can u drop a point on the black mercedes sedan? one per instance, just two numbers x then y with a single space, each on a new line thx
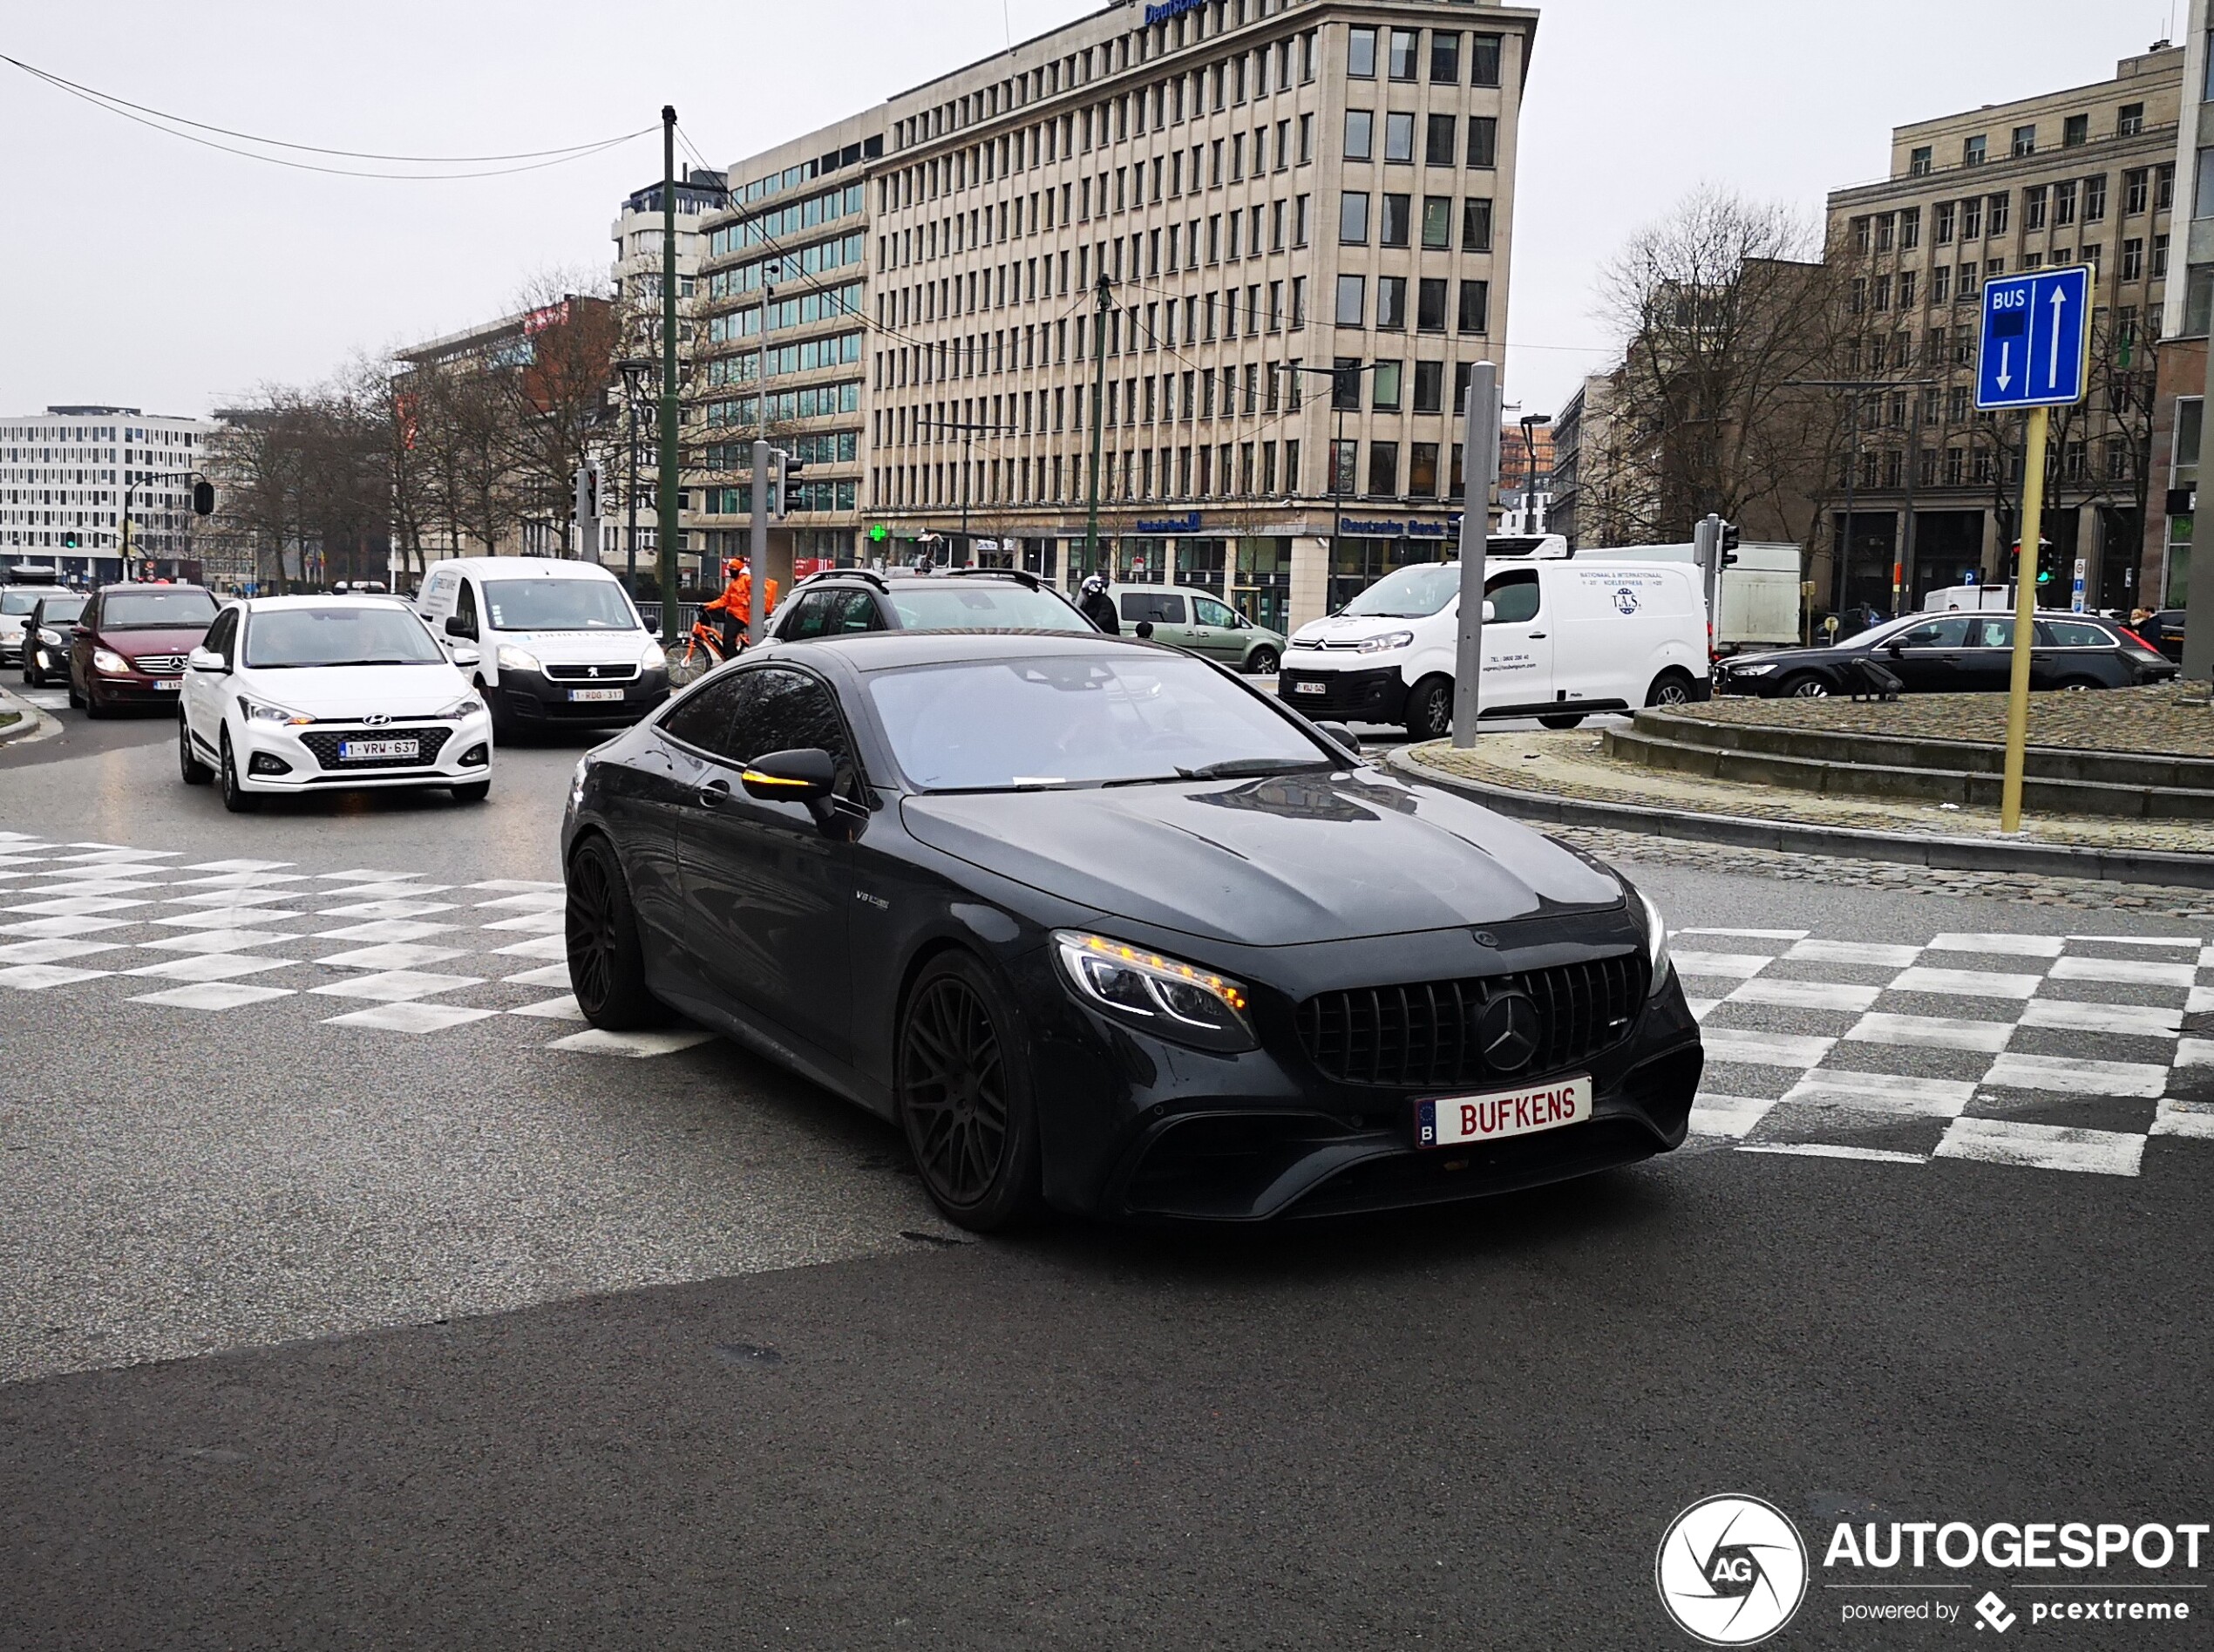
1107 931
1954 653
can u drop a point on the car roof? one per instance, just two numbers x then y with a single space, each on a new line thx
267 604
152 585
523 568
890 651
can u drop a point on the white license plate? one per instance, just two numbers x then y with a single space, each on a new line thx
595 694
1310 688
1454 1121
352 751
171 684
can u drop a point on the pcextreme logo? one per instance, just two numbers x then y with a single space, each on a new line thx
1731 1570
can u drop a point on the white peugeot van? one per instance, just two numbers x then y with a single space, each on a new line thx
556 643
1564 636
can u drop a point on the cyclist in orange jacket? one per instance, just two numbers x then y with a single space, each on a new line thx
736 604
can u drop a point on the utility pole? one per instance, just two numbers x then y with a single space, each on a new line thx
2198 585
668 532
1098 411
1903 569
1479 461
968 431
758 542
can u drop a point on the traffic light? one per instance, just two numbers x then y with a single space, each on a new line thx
203 498
1730 544
784 467
68 540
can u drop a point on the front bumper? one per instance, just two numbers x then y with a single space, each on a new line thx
533 697
1372 696
1136 1128
139 688
282 757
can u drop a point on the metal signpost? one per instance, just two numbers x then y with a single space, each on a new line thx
1479 468
2033 355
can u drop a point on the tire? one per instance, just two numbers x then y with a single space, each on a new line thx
95 707
963 1091
1561 720
472 792
75 698
503 720
606 963
1672 687
190 769
1429 712
1805 686
236 798
1262 662
2078 684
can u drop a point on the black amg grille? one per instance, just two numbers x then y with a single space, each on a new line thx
1425 1035
325 746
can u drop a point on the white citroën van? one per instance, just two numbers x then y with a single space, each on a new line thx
1566 636
557 642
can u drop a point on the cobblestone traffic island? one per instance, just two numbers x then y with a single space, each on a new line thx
2167 719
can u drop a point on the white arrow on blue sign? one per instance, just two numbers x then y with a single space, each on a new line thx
2036 344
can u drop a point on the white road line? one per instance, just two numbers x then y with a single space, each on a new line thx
1701 1008
2006 1141
545 923
392 955
385 909
1806 995
240 868
551 974
540 947
396 986
562 1009
54 951
1731 1116
1828 1150
1870 952
2138 1021
1933 1032
228 918
212 966
1966 983
1721 964
2195 1052
2200 1001
231 897
219 940
2024 945
75 906
2139 1080
214 995
384 929
2130 971
593 1041
1750 935
47 928
1763 1049
410 1018
2144 940
37 977
1882 1092
2192 1118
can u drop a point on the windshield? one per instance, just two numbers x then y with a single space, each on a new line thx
280 639
1089 721
558 605
1413 593
24 598
183 610
983 607
60 610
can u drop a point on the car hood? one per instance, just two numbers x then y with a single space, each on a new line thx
1281 861
357 690
167 640
1340 629
575 648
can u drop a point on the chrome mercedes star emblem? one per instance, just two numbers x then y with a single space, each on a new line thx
1507 1031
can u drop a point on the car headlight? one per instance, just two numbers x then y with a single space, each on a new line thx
1165 996
514 659
261 711
1656 943
468 706
51 639
1750 671
1388 642
653 659
107 660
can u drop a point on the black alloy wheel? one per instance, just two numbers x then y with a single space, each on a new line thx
964 1103
606 964
1262 662
1430 709
236 798
189 767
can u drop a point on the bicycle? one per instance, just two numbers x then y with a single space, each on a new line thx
702 653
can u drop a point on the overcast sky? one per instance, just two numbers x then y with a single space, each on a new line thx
140 269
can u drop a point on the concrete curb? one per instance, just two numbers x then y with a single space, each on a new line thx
1958 855
32 724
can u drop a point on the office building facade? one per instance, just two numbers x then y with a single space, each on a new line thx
67 474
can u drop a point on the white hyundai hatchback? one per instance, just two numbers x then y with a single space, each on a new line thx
293 694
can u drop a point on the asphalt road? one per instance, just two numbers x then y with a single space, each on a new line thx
317 1334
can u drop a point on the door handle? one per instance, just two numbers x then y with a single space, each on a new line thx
714 793
1537 637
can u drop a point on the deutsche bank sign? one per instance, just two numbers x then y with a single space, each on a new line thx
2036 339
1169 9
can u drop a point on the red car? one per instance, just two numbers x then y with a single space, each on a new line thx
130 645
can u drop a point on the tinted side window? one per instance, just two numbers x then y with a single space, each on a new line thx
2075 633
1990 634
465 605
782 710
811 615
224 632
703 718
853 611
1513 596
1159 607
1950 632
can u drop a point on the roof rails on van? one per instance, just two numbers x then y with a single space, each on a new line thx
1538 546
870 574
1021 576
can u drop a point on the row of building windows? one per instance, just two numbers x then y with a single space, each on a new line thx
2043 205
1944 347
801 216
840 252
776 407
1963 466
1395 224
828 303
2129 122
820 448
801 497
1403 55
1441 138
1471 305
1226 470
2140 261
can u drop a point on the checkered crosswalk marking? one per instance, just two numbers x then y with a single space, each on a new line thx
386 949
2043 1053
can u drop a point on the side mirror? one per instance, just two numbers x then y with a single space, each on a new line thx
806 774
465 657
458 625
1145 630
1491 611
203 659
1342 735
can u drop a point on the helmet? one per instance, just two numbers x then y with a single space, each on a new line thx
1096 582
734 566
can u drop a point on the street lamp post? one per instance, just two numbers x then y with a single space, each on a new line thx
1530 422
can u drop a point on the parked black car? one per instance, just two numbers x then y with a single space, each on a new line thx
1107 930
1954 653
46 637
845 600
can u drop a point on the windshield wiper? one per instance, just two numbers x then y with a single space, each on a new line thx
1233 767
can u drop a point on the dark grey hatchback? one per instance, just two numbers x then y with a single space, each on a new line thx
1106 930
1954 653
